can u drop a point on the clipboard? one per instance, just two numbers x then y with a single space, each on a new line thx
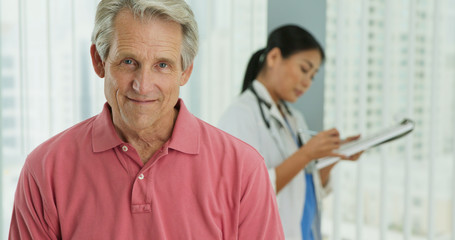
364 143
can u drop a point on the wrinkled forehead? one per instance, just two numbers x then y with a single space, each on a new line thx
132 36
126 15
126 24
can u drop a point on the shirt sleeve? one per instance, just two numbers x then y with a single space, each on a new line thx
322 191
29 218
272 177
327 189
259 217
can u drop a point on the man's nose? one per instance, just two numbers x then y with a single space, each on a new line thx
143 82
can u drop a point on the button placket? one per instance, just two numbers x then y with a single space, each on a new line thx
140 200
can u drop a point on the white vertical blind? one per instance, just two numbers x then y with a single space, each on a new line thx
22 73
48 83
1 128
362 114
230 31
387 84
338 114
409 110
387 60
434 118
453 190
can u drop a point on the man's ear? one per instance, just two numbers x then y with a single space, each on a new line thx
186 75
273 56
97 63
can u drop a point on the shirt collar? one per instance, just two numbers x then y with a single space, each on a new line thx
184 138
104 136
186 134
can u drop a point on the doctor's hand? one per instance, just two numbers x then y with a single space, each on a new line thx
355 156
323 144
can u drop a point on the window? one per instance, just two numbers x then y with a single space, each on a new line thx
420 86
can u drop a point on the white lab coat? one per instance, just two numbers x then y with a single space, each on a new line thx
243 119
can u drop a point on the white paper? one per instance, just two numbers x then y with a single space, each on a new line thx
364 143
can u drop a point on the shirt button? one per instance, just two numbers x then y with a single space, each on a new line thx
125 148
141 176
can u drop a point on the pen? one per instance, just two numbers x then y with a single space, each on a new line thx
309 132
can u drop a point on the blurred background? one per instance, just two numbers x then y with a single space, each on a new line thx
386 60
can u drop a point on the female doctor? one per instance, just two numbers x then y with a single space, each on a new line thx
277 74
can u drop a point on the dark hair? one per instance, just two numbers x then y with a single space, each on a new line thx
289 39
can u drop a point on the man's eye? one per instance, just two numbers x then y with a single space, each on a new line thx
162 65
128 61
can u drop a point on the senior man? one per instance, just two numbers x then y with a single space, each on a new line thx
144 168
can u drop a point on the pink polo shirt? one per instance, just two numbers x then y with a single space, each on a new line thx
86 183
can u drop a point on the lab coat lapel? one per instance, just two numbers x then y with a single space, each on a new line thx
273 116
273 112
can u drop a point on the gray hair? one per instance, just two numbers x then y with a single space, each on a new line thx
170 10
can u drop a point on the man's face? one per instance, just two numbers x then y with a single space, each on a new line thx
143 71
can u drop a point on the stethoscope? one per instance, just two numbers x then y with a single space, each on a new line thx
269 106
267 123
